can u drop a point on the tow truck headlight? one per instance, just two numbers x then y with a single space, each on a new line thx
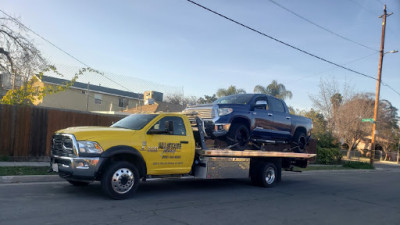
89 147
224 111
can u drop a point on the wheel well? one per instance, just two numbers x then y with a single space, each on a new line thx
300 129
241 121
134 159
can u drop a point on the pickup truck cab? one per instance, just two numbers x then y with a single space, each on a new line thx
256 118
142 146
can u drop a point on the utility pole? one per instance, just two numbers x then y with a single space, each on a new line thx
378 84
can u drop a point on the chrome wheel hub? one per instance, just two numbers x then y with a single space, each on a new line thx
270 175
122 180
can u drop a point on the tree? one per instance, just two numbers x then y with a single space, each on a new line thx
275 89
18 55
387 127
207 99
179 99
329 100
348 124
30 91
320 131
231 90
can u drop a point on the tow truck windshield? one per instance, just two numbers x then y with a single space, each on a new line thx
134 122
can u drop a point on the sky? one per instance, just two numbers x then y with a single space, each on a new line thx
176 44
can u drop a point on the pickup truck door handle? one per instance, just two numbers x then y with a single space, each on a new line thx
184 142
270 114
288 117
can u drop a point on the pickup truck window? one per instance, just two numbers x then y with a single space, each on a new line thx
179 126
276 105
135 121
235 99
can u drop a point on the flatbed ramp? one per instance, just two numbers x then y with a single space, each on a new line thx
252 154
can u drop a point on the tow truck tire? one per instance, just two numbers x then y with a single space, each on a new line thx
265 175
239 136
120 180
78 183
299 142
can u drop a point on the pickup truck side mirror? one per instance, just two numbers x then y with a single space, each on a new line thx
261 104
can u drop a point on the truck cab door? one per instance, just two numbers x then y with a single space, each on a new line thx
282 119
170 146
263 119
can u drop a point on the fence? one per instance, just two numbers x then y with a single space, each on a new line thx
25 131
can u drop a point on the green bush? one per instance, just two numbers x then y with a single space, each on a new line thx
357 165
329 155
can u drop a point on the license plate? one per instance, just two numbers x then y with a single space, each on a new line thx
54 166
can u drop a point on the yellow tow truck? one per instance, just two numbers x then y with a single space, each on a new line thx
142 146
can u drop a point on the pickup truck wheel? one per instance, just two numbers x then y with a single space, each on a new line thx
120 180
78 183
299 142
239 137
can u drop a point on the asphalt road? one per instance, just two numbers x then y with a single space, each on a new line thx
333 197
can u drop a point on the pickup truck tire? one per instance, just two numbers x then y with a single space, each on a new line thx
264 174
239 137
299 142
78 183
120 180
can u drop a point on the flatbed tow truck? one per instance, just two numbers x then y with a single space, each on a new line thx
143 146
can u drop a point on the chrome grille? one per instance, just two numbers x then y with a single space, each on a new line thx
204 113
62 145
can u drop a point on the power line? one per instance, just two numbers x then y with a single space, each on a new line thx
347 63
321 27
284 43
60 49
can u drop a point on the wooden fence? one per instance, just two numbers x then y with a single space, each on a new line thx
25 131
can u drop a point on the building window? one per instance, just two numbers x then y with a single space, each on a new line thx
97 98
123 102
83 92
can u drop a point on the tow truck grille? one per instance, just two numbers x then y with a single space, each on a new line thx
62 146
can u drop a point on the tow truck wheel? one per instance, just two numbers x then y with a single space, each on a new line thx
120 180
264 175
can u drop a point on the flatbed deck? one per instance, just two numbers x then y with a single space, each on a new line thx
251 154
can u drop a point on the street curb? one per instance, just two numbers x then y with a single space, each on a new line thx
29 179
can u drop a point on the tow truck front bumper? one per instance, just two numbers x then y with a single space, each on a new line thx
76 168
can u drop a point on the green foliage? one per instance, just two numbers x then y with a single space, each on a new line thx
326 140
24 170
357 165
329 155
31 91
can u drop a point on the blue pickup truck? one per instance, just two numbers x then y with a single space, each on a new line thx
255 119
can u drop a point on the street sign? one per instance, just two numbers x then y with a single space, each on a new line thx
371 120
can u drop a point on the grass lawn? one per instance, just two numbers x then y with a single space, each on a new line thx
24 170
